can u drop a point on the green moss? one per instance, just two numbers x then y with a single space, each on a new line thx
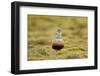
41 33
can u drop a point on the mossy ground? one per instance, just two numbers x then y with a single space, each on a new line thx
41 32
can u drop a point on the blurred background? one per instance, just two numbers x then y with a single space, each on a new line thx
41 33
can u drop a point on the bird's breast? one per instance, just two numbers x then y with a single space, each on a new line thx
58 44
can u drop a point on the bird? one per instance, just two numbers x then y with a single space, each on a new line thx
58 42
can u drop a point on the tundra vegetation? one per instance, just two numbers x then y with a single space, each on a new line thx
41 33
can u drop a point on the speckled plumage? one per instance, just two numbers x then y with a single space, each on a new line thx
58 43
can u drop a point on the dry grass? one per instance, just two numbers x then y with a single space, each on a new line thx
41 32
